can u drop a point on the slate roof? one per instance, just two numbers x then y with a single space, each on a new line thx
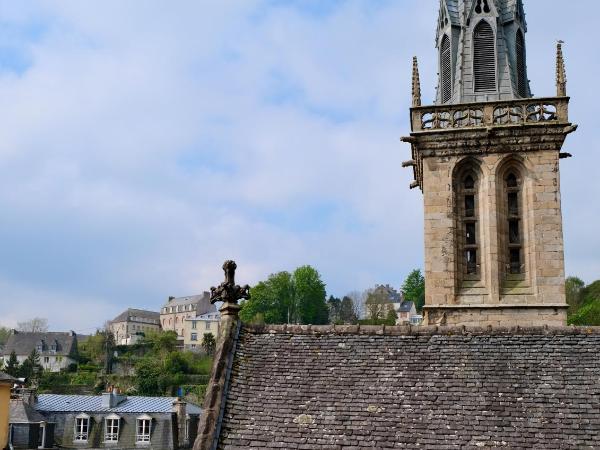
452 6
6 378
21 412
131 314
353 387
23 343
202 301
406 306
93 404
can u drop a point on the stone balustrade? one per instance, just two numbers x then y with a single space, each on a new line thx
490 114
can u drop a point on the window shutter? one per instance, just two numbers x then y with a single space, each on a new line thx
446 69
521 74
484 61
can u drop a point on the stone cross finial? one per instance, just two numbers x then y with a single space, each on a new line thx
561 74
228 292
416 83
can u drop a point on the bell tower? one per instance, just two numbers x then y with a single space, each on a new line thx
486 157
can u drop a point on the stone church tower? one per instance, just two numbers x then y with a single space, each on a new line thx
486 157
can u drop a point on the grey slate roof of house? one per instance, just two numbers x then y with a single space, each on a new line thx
93 403
6 378
23 343
306 387
21 412
406 306
202 301
142 313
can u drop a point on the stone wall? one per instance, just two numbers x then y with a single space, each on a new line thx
541 281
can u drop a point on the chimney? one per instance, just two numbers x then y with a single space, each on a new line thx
180 408
171 298
112 398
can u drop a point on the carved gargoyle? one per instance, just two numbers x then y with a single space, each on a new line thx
228 291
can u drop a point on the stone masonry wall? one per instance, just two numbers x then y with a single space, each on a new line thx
543 281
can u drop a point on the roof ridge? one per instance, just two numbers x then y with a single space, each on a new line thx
422 330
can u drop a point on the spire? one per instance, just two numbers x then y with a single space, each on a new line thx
561 74
416 83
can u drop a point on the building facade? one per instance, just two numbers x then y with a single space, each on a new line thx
177 309
57 351
486 157
6 383
197 327
116 421
129 326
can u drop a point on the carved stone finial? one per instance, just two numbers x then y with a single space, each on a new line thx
416 83
561 74
228 292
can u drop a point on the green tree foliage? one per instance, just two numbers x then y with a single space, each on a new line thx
334 304
573 287
209 343
391 317
31 366
588 313
288 298
413 289
4 335
12 366
348 311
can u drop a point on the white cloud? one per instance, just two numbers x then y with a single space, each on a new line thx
146 144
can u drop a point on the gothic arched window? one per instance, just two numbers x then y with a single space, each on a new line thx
514 225
468 224
521 68
446 69
484 58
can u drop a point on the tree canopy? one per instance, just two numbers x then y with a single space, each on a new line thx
35 325
587 311
413 289
297 297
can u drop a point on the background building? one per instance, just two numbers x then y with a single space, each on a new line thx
56 350
130 325
177 309
197 327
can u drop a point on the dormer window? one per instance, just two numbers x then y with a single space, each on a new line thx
40 347
143 429
111 429
82 428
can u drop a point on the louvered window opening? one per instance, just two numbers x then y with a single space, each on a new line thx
521 75
484 61
446 70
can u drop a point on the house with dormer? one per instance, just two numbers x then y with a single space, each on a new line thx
57 350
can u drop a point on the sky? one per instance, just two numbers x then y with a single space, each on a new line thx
142 143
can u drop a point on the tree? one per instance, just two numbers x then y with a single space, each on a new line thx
391 317
12 366
574 287
35 325
309 296
359 300
208 343
378 304
288 298
413 289
31 366
588 313
347 312
4 335
334 304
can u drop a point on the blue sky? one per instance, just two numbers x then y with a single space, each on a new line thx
143 143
